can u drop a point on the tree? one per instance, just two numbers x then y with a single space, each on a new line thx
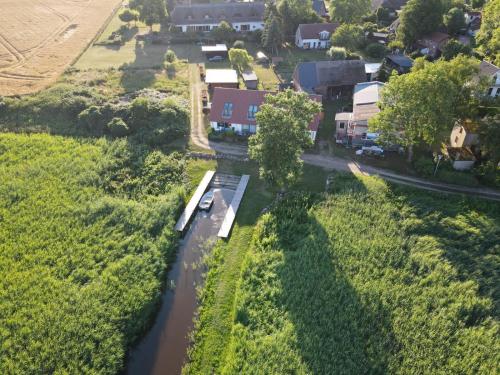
223 32
337 53
454 21
291 13
153 12
92 119
419 17
240 59
128 15
272 37
454 48
376 50
423 105
282 135
351 37
117 127
349 11
240 44
489 134
396 46
488 38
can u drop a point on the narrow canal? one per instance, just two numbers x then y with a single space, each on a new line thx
164 349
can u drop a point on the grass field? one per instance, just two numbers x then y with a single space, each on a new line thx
371 277
38 40
81 269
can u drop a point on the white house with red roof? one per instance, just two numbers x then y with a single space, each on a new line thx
236 109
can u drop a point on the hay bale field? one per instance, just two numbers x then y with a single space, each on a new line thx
39 39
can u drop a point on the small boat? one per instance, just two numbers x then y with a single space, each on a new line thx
206 201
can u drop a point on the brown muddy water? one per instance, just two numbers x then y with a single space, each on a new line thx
164 349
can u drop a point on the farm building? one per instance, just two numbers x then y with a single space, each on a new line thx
251 80
331 79
247 16
221 78
352 127
236 109
213 51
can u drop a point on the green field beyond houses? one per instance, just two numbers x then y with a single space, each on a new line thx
370 278
83 253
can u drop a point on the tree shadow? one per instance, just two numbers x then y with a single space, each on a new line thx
467 230
338 330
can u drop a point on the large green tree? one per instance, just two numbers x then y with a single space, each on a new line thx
272 37
224 32
153 12
419 17
291 13
349 10
351 37
282 135
240 59
488 38
423 105
454 20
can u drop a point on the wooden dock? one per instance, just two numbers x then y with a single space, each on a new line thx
227 224
193 202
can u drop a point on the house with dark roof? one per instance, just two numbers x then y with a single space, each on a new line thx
319 8
314 35
243 17
236 109
331 79
352 127
491 73
400 63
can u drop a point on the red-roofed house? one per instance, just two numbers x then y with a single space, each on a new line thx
314 35
236 109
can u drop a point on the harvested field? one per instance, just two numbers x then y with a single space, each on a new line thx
40 38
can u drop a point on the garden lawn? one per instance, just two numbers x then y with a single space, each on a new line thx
81 271
371 278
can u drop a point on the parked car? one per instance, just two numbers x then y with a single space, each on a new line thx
371 150
206 201
216 59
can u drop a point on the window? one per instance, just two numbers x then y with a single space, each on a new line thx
456 139
245 27
490 90
252 110
461 130
228 110
342 125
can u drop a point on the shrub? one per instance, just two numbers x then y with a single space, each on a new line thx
239 44
92 119
337 53
424 166
376 50
170 56
117 127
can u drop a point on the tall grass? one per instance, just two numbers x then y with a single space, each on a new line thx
369 279
80 269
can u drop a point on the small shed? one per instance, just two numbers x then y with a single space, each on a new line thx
261 58
372 70
251 80
213 51
221 78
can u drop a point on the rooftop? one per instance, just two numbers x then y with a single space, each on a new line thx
221 76
249 76
312 30
216 48
401 60
215 13
366 96
487 68
329 73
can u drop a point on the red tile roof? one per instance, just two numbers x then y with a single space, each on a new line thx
312 30
241 100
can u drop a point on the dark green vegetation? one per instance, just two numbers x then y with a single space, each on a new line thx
85 103
86 230
369 278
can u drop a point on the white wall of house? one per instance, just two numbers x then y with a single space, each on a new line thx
311 43
463 165
238 26
245 129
